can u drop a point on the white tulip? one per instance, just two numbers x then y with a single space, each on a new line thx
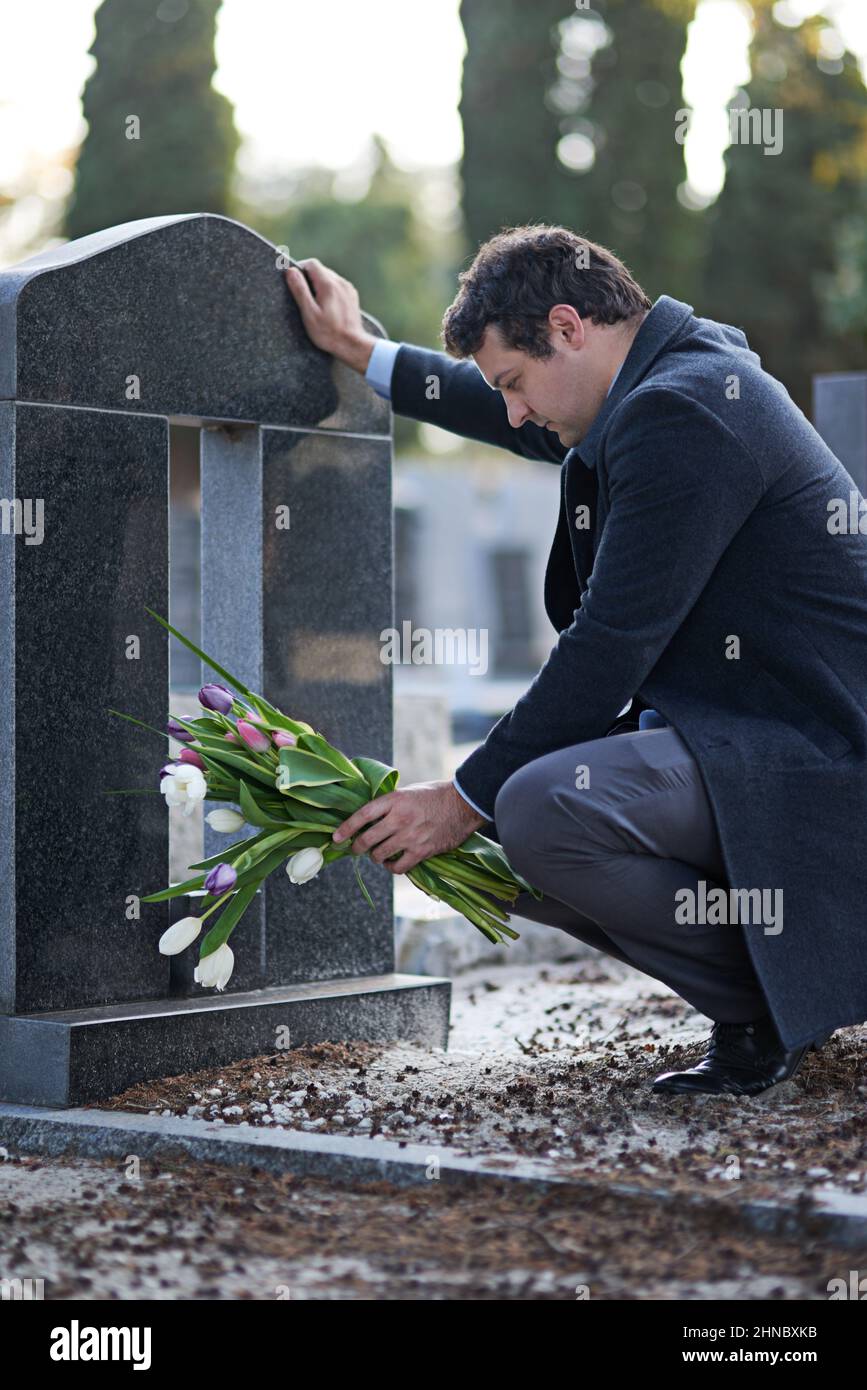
179 935
305 865
225 820
184 785
213 972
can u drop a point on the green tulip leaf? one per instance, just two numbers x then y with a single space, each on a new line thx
254 813
330 797
225 855
191 646
362 885
299 768
380 778
213 760
228 920
315 743
192 884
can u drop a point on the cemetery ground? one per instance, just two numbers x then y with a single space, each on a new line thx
548 1064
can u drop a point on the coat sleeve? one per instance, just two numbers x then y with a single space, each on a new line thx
680 486
440 390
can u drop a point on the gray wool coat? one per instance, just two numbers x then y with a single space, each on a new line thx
711 584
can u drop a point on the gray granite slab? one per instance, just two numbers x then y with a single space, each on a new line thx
196 308
73 602
67 1057
103 342
840 416
232 631
328 593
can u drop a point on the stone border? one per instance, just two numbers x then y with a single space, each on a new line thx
73 1057
840 1218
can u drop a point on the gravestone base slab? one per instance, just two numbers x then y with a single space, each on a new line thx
74 1056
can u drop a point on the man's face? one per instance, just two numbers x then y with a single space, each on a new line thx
560 392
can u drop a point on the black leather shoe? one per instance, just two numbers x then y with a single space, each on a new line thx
742 1059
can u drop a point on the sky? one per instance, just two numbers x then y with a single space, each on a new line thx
310 85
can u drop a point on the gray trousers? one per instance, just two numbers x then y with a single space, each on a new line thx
611 853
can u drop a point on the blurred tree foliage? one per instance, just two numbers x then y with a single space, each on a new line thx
787 233
570 117
509 169
154 61
629 196
401 266
844 288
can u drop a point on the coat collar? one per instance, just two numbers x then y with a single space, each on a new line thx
663 323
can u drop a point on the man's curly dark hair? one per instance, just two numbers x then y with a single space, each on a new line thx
518 276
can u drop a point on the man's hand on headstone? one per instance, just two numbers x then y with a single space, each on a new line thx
331 314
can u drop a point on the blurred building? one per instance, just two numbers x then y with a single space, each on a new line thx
472 536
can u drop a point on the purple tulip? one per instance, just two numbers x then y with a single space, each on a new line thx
216 697
221 878
189 755
179 732
253 737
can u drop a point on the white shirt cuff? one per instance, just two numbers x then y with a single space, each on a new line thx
381 366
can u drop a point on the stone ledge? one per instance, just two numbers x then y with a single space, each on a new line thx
834 1215
77 1055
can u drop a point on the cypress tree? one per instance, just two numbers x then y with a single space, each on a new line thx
609 78
629 197
773 250
160 139
509 168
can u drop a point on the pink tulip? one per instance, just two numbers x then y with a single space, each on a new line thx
284 740
189 755
230 738
254 738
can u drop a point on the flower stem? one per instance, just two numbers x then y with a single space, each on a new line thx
215 905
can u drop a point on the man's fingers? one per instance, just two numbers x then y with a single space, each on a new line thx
407 861
371 810
319 275
301 291
393 845
375 835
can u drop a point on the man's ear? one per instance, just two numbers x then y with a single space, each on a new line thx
567 325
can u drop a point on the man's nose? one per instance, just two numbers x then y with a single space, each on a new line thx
518 413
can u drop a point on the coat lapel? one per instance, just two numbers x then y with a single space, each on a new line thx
663 323
580 480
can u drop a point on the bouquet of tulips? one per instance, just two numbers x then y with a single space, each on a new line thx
280 776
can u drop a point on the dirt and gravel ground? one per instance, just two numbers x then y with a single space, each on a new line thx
553 1062
190 1231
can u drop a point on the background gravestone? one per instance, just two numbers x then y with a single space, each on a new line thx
840 416
104 343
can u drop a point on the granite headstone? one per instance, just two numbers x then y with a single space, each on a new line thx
105 343
840 416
